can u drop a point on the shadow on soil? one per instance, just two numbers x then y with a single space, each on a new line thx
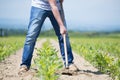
78 72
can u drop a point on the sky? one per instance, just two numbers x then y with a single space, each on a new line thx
80 14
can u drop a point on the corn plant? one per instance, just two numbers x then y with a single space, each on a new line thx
47 62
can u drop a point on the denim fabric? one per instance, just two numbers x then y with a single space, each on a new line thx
36 20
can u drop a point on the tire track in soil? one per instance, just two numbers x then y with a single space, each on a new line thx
87 71
10 66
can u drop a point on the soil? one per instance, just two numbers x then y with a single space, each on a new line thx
10 66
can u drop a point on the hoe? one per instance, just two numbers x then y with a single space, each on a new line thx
66 71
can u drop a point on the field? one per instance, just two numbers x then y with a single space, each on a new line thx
107 45
103 51
8 45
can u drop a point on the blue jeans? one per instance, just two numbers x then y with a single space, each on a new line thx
36 21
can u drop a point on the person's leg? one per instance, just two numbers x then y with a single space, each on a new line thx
60 38
36 20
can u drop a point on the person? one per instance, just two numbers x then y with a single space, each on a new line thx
41 9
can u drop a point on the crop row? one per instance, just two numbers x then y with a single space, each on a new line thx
47 62
9 45
103 53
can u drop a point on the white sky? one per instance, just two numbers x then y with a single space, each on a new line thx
78 12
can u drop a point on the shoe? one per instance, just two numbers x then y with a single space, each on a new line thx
23 69
73 67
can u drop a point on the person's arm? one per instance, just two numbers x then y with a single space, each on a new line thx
57 16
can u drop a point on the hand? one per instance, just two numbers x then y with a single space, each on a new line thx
63 30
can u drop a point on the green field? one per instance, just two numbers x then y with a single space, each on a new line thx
103 53
108 45
8 45
101 50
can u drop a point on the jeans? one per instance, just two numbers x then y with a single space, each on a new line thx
36 21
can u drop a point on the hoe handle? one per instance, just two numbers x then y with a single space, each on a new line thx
65 50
